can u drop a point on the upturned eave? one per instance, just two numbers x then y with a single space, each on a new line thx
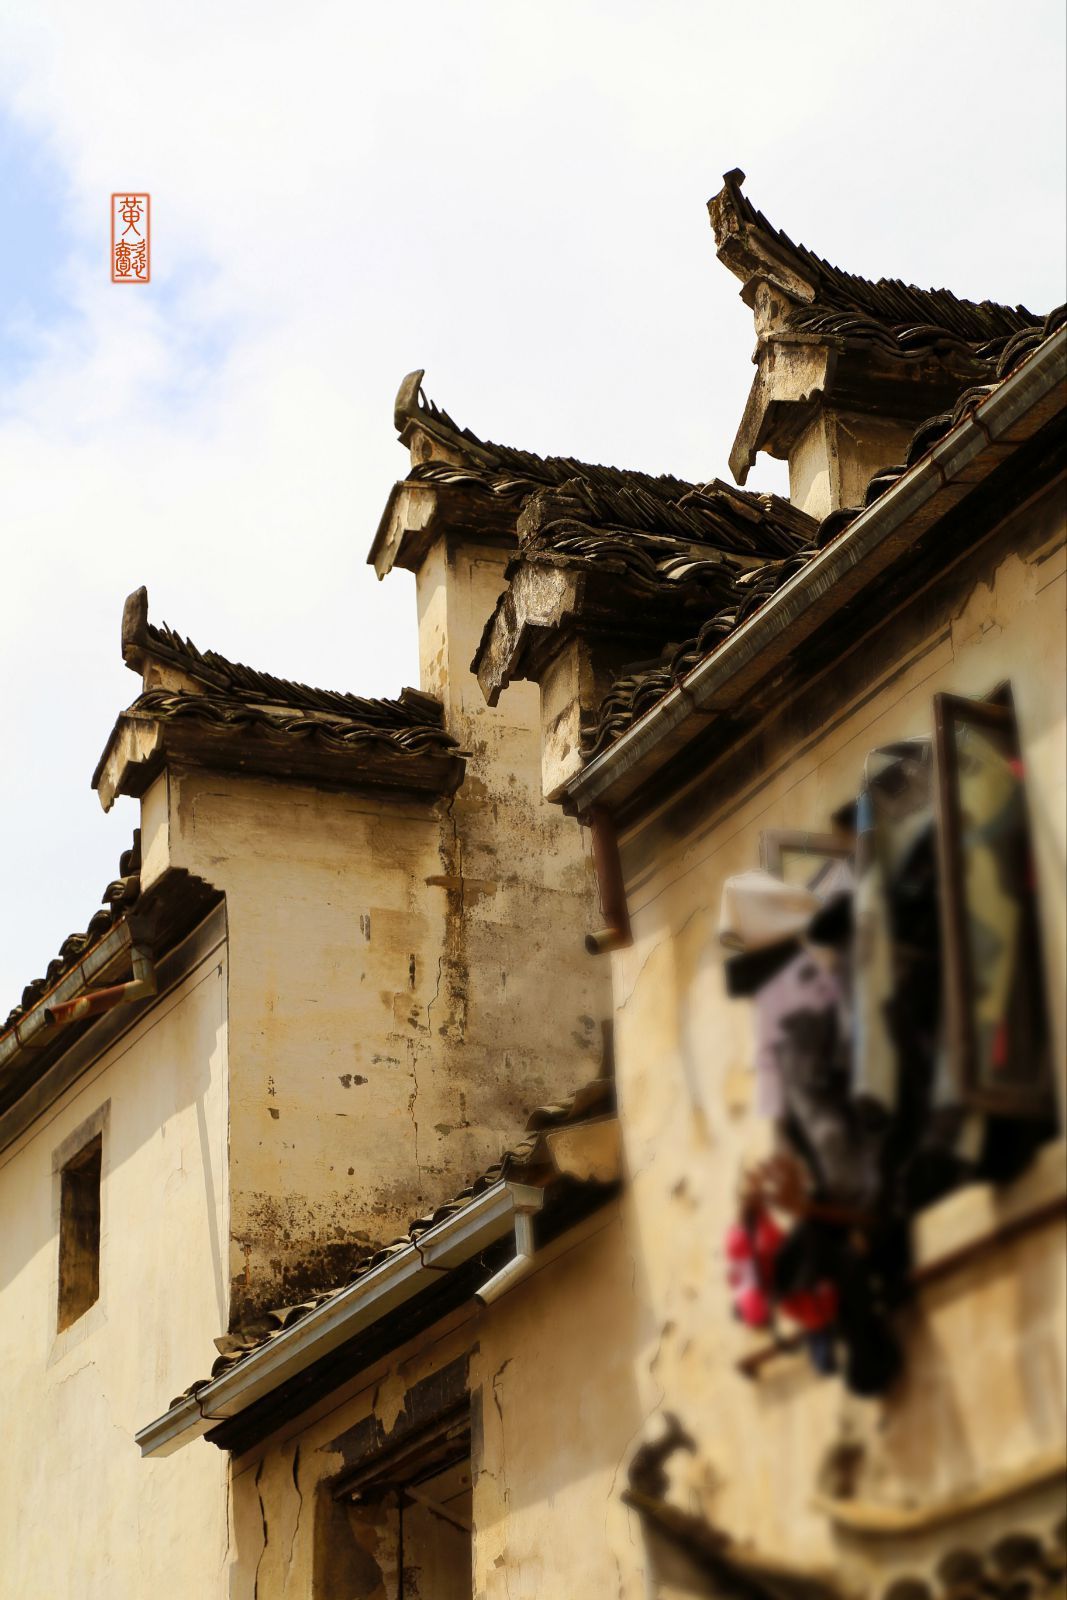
141 745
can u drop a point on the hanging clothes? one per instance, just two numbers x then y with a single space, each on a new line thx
762 918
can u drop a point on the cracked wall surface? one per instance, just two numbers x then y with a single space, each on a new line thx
554 1415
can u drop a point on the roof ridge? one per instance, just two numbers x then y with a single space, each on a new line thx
890 301
414 409
219 675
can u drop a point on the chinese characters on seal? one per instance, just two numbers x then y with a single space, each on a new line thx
131 248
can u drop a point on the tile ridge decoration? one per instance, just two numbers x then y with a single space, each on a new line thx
639 686
486 464
827 301
142 640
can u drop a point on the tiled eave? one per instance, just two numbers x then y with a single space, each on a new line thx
566 1166
296 749
39 1058
419 510
811 602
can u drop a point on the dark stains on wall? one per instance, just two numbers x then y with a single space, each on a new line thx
426 1403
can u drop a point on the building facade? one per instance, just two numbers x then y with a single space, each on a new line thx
737 1169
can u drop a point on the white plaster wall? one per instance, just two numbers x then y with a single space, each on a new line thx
561 1414
82 1516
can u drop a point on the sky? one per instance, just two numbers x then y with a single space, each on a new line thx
511 195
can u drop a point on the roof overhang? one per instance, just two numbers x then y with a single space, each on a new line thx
487 1219
37 1049
142 744
799 374
811 602
539 601
419 511
406 529
551 599
34 1030
581 1154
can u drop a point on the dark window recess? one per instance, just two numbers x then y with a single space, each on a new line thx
409 1509
79 1234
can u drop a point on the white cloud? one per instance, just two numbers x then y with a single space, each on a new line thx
510 194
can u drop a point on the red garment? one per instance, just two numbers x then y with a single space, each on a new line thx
751 1248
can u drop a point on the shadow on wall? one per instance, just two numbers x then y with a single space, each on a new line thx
159 1078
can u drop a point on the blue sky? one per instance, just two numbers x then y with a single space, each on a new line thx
40 241
512 196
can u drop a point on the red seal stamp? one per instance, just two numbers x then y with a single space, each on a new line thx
131 234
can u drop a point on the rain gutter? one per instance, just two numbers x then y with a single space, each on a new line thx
36 1027
1013 413
484 1221
142 986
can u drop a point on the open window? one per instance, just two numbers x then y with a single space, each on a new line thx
902 1042
996 1021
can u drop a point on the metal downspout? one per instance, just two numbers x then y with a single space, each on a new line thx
617 934
93 1004
527 1201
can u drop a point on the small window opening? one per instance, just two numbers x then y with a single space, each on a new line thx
79 1233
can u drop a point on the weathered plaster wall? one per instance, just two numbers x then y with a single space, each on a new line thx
561 1412
554 1414
519 994
837 454
82 1517
984 1391
407 975
339 1102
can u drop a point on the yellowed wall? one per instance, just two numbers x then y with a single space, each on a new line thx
407 975
334 1095
391 963
985 1387
552 1383
82 1517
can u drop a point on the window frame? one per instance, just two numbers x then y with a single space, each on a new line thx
65 1334
1016 1099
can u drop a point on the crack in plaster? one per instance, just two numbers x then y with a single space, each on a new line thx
266 1536
639 974
455 860
228 1514
299 1511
